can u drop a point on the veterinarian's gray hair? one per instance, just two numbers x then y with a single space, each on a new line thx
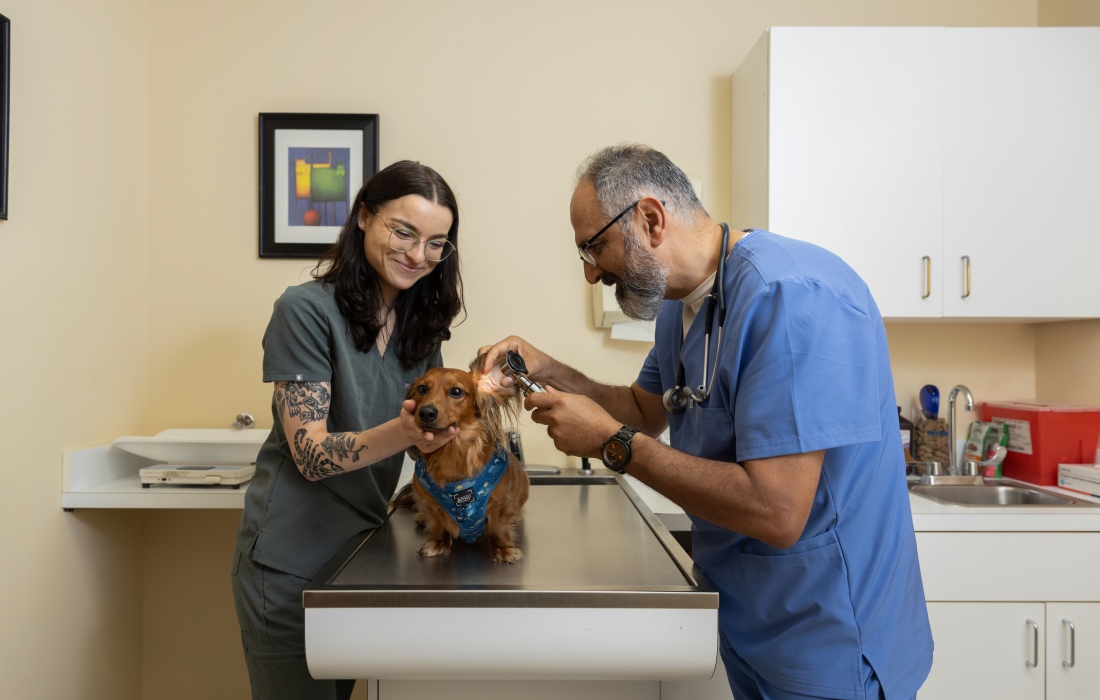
629 171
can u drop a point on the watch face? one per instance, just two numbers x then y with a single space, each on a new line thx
616 452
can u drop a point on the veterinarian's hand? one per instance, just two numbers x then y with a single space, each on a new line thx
422 440
537 362
576 424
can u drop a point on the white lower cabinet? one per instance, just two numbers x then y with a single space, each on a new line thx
527 690
1073 650
1014 651
1015 615
983 650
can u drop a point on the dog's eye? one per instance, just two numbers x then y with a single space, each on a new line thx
422 389
456 392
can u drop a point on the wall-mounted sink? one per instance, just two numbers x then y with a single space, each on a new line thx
995 495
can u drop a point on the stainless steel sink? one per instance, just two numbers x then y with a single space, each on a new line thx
995 495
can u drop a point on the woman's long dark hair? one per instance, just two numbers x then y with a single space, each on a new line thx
423 312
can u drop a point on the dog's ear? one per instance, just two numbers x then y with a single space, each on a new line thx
489 383
496 403
409 394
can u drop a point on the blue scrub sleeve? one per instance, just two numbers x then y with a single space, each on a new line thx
297 341
649 377
808 376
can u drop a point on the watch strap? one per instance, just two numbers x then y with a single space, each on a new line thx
623 436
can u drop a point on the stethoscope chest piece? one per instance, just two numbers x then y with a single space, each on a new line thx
676 399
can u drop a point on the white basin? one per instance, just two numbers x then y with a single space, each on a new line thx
196 445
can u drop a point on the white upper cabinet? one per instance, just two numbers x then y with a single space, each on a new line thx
904 149
1022 172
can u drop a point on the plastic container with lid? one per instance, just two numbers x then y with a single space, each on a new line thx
1043 435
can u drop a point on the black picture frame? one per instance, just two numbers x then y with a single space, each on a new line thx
311 166
5 95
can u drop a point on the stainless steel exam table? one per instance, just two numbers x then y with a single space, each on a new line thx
603 592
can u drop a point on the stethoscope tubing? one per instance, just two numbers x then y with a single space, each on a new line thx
716 298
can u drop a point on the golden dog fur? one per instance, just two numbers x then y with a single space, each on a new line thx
480 410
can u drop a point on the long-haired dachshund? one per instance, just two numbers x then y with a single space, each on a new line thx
472 486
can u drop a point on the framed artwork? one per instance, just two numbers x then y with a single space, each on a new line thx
311 168
5 94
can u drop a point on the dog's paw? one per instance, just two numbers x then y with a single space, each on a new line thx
508 555
433 548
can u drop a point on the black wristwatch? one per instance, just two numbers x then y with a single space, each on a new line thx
616 451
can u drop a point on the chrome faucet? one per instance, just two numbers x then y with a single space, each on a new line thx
952 450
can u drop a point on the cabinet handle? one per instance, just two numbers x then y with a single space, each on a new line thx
1034 662
927 277
966 271
1072 645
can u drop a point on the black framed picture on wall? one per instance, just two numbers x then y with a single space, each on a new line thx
5 93
311 168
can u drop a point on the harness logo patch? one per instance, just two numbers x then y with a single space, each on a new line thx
463 498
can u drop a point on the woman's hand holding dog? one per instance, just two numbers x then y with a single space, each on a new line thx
421 439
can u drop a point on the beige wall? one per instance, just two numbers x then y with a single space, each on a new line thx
1069 13
151 300
72 343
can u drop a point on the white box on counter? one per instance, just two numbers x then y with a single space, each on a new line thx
1083 478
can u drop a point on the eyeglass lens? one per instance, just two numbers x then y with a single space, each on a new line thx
403 240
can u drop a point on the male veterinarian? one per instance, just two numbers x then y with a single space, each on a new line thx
787 455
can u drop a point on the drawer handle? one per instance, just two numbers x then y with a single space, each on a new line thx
1034 662
927 261
1072 645
966 271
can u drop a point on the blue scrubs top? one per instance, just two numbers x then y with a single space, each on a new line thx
804 366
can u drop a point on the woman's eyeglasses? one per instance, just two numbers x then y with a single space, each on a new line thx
403 240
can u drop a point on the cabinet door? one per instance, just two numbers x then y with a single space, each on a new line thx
528 690
1021 172
855 161
1073 651
983 651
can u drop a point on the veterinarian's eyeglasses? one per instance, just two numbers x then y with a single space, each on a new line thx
582 249
403 240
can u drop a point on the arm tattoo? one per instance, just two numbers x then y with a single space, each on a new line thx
315 464
305 400
342 446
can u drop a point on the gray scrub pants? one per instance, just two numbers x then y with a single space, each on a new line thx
272 620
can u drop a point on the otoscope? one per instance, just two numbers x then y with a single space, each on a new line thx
513 366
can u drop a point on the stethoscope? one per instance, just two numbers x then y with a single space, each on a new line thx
677 398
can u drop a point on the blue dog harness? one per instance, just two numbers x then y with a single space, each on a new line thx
465 500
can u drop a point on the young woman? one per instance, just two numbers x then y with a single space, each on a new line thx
341 350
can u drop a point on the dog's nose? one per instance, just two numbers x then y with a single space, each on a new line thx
427 414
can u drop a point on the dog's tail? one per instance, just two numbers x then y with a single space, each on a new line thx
403 498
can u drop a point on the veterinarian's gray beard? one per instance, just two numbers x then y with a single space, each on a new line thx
641 290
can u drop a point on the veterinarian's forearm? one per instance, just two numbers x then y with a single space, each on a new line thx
619 401
767 499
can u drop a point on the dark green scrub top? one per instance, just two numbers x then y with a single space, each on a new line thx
292 524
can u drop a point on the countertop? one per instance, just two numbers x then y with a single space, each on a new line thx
929 516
